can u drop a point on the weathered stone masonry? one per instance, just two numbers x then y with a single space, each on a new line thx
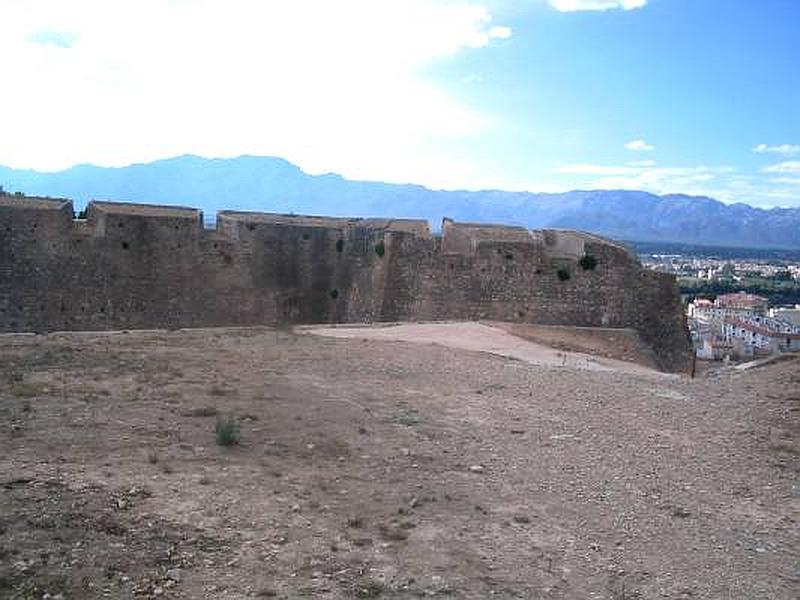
140 266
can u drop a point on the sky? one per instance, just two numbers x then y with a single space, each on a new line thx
668 96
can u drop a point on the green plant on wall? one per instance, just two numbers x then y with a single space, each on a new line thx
588 262
563 274
380 249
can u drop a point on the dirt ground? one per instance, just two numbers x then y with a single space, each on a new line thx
577 347
386 469
616 344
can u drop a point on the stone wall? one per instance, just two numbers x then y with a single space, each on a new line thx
141 266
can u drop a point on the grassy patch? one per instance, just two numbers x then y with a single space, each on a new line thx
227 431
406 416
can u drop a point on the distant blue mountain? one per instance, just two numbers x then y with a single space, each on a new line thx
275 185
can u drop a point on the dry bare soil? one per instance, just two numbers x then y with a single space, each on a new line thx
386 469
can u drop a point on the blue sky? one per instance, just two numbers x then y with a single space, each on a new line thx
692 96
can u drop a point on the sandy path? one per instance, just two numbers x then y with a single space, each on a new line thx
480 338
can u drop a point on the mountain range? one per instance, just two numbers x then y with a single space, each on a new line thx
271 184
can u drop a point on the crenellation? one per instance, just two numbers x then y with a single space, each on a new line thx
142 266
464 238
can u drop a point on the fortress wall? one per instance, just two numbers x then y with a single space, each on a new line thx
519 281
136 266
32 237
309 272
139 267
463 237
666 329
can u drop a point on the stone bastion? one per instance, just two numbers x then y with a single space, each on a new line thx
129 266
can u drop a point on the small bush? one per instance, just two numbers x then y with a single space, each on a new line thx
380 249
339 245
334 293
588 262
407 417
563 274
355 522
227 431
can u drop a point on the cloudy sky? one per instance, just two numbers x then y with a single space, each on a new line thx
694 96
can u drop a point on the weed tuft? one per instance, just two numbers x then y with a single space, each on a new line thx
227 431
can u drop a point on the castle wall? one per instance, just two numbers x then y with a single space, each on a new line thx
138 266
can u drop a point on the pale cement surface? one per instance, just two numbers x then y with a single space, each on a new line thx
479 337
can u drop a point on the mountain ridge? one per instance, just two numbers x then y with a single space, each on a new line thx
273 184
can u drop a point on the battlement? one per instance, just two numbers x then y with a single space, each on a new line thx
141 266
28 203
456 237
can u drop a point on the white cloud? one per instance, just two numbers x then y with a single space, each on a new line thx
579 5
332 86
786 180
701 180
641 163
785 149
647 172
500 32
722 182
57 39
791 167
639 146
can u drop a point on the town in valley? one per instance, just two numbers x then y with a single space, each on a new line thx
741 304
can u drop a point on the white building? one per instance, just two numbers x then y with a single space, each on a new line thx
790 315
715 349
761 335
711 315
